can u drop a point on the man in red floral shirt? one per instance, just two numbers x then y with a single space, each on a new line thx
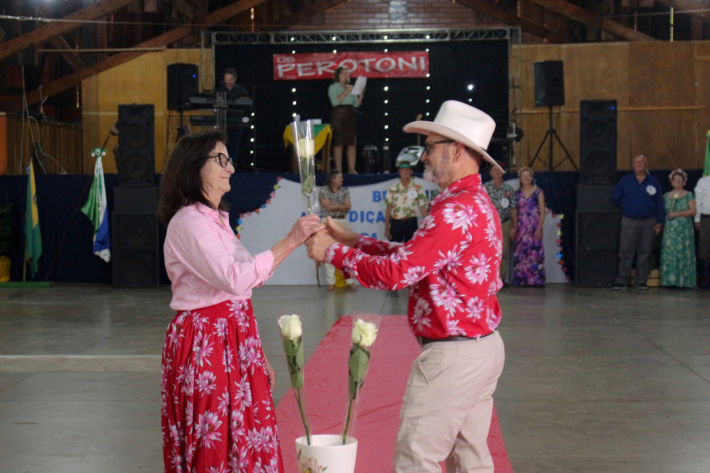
452 268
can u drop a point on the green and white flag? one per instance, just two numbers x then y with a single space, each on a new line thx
96 209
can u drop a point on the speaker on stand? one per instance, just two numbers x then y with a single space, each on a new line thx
550 92
598 219
136 145
597 141
183 81
134 223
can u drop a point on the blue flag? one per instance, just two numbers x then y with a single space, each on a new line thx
96 209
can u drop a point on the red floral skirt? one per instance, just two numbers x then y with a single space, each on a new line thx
216 406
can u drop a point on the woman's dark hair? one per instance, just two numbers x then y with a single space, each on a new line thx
336 74
331 175
181 183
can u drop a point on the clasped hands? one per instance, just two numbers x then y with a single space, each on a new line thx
319 235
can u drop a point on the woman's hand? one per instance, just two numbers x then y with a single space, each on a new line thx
270 373
512 232
538 233
388 234
304 228
671 215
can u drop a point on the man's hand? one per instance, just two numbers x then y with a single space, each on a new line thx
697 226
317 246
658 228
340 233
388 234
512 233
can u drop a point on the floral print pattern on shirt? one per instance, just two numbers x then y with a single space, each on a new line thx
503 198
451 265
217 410
406 201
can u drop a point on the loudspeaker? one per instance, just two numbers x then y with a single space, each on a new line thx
135 252
595 198
183 81
597 141
136 145
597 248
135 199
549 83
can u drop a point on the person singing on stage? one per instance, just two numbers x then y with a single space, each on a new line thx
216 383
343 118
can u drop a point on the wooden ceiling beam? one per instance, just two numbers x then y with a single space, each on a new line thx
14 102
588 18
71 58
307 13
56 28
508 18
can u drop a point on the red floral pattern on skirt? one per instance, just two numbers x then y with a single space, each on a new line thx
216 406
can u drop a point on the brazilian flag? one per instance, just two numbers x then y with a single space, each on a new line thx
33 237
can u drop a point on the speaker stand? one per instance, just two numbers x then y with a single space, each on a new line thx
182 130
552 136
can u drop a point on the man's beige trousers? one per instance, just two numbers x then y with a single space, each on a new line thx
447 409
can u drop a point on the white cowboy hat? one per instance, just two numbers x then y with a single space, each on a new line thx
462 123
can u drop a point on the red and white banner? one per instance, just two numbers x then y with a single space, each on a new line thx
369 64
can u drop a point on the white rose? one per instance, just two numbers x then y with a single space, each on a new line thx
306 148
504 202
290 326
651 190
364 333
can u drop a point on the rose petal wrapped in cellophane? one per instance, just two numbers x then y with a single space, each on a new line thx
363 335
292 340
305 153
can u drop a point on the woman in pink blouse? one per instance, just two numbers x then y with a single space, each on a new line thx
216 405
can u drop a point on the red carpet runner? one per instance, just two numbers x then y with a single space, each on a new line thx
378 418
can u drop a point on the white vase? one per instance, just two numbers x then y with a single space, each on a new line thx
326 451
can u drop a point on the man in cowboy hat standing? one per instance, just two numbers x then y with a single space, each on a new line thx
452 267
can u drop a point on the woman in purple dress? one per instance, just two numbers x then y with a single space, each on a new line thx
526 232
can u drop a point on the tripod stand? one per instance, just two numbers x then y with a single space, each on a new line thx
552 135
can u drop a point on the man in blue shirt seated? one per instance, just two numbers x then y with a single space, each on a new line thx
641 200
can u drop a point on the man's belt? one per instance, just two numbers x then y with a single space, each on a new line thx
457 338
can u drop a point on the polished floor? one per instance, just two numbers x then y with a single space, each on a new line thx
596 381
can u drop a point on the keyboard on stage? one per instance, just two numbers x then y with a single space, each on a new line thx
210 100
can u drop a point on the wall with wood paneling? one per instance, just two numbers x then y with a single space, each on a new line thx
663 94
140 81
61 143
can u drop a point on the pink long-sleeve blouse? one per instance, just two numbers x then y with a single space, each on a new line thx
206 262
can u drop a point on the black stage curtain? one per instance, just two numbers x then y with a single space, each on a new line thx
60 198
453 67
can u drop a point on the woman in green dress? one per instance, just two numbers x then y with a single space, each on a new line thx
678 251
